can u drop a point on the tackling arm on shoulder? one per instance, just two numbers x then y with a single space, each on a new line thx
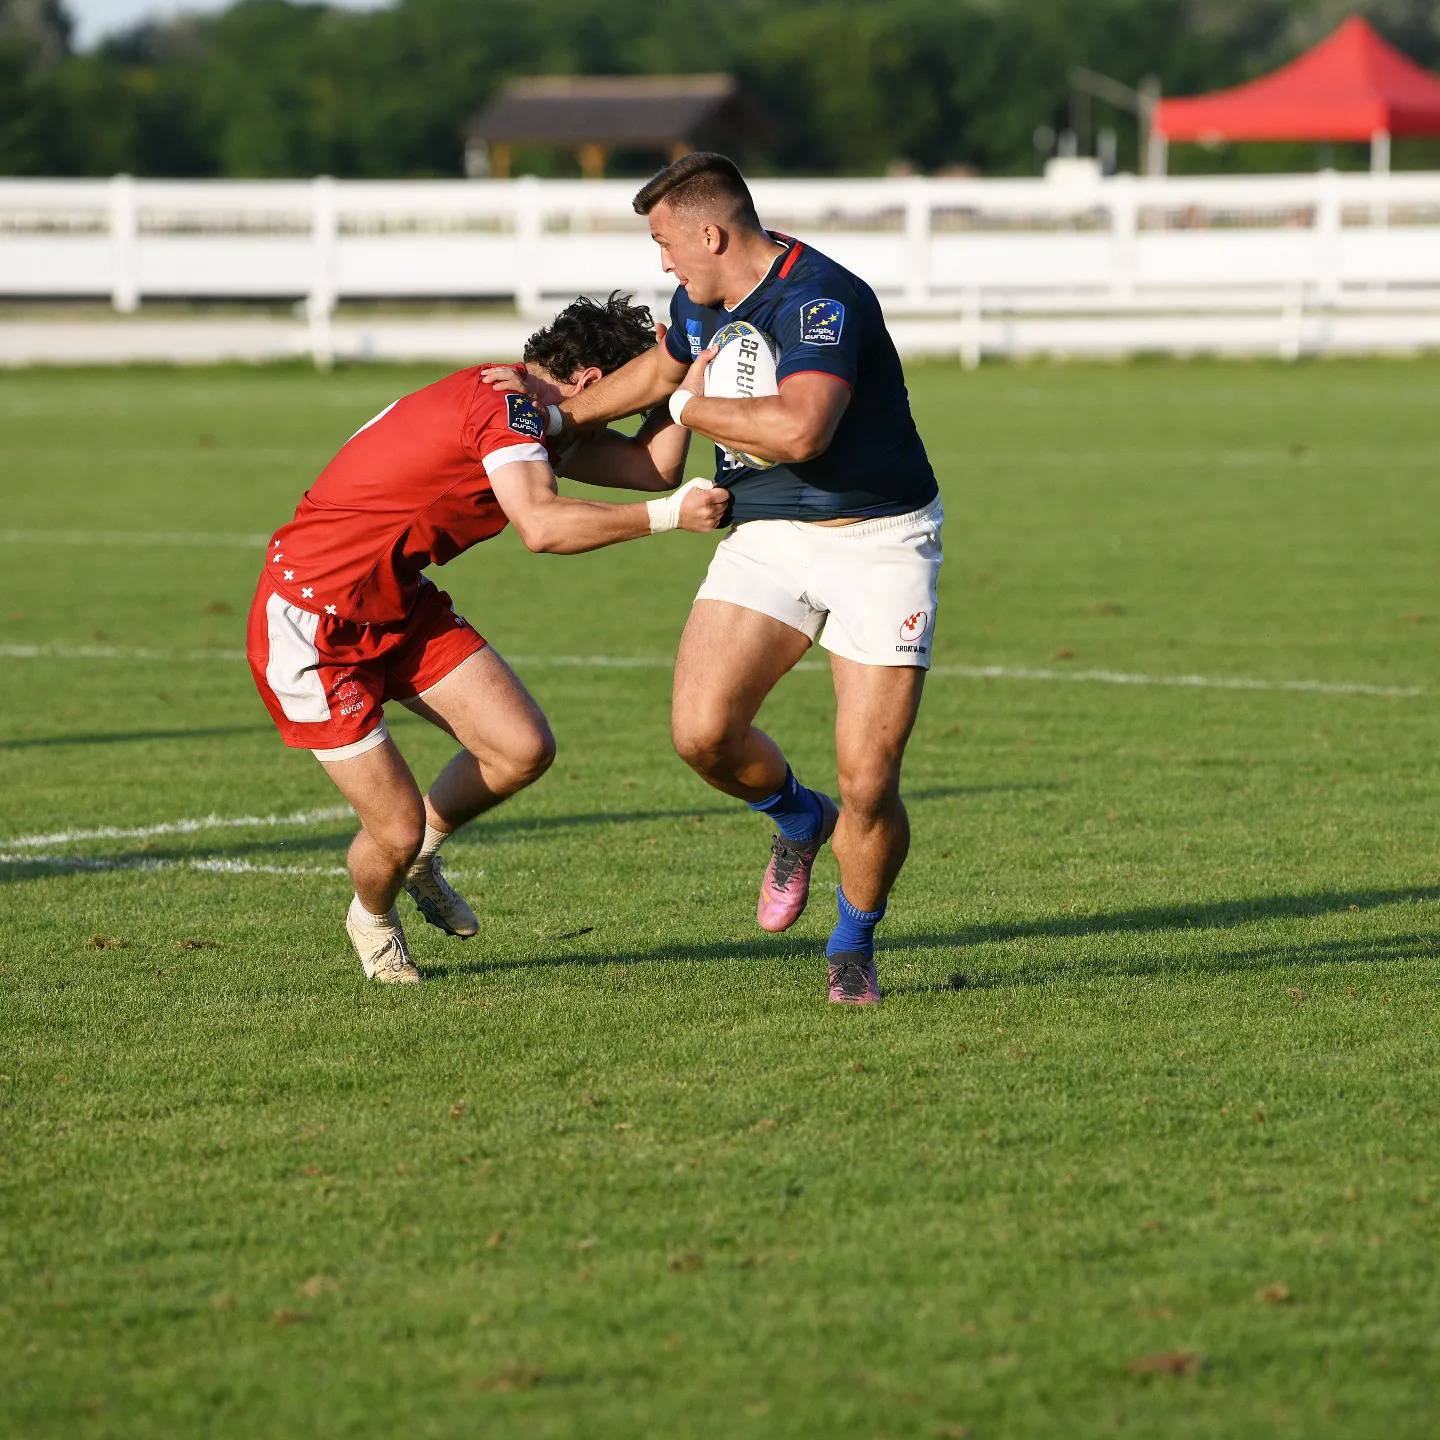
637 386
632 389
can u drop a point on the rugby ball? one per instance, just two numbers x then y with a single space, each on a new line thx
743 369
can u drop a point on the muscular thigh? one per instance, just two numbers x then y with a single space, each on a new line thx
875 710
381 790
729 660
484 705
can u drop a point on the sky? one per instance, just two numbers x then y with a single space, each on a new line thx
94 19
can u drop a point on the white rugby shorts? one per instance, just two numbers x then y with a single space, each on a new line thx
865 591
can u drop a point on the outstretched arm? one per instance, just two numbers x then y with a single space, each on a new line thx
556 524
641 383
635 387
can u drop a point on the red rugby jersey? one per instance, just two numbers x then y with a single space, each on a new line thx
408 490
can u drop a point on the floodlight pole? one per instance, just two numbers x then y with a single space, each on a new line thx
1141 101
1156 143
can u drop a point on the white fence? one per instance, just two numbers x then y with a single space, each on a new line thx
1287 264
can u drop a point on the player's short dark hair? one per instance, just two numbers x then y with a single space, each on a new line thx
701 180
591 332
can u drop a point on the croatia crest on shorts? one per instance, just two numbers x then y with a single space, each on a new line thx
523 416
821 322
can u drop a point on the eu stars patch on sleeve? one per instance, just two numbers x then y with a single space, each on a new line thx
821 322
523 416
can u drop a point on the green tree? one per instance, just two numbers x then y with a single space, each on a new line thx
275 88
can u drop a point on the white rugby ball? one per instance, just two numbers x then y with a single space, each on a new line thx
743 370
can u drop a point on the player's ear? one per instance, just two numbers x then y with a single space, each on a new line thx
714 239
588 376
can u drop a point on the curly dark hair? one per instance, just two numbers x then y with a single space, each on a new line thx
587 332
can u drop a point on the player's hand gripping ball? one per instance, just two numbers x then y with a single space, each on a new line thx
743 369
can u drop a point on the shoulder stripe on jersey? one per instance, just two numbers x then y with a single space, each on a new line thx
375 419
790 259
512 454
828 374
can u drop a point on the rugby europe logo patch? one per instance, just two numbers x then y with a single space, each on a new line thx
523 416
821 322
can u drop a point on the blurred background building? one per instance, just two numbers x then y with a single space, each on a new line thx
642 120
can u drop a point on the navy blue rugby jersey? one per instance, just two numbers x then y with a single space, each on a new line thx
821 318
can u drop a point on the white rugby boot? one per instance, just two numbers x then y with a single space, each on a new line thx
438 900
384 955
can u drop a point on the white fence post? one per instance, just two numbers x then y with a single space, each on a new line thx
124 247
1328 225
918 220
529 232
1124 235
972 341
324 243
1292 324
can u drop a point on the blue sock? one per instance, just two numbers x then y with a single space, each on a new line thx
794 809
855 929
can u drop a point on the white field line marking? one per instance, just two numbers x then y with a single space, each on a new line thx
111 652
1190 682
1016 672
664 662
175 827
208 863
129 538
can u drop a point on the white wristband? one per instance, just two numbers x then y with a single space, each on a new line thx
665 512
678 401
554 420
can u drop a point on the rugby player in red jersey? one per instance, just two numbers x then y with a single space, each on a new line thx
344 619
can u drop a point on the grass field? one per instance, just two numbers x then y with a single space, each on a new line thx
1143 1142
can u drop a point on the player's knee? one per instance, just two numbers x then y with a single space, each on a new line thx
538 755
399 837
869 791
704 743
527 759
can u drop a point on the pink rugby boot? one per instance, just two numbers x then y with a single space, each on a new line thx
786 885
853 980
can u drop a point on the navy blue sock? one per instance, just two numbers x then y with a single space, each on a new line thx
855 929
794 809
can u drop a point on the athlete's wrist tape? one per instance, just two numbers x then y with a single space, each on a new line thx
554 420
665 512
678 401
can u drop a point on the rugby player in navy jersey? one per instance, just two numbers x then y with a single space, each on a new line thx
839 541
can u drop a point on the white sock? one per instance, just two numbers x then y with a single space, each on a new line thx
434 839
361 913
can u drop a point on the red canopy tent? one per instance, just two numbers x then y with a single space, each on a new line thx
1353 85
